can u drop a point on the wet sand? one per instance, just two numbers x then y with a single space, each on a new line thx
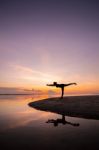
75 106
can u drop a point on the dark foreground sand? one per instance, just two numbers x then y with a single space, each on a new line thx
75 106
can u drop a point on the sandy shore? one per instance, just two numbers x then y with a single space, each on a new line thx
75 106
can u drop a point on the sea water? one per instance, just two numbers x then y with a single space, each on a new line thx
23 127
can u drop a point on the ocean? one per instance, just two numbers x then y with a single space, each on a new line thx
25 128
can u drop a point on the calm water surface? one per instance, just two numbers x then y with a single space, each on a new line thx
22 127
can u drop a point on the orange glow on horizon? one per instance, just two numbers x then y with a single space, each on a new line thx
81 88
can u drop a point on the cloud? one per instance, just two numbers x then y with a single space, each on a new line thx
30 71
13 90
31 75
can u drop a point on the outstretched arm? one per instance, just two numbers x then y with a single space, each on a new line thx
50 84
70 84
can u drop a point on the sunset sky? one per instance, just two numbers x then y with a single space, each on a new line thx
42 41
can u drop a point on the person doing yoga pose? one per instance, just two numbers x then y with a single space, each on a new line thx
61 86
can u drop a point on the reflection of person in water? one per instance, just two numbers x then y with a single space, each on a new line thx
61 121
61 86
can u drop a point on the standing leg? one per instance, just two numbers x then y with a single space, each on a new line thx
62 92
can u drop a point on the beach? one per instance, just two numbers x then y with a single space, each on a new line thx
25 127
75 106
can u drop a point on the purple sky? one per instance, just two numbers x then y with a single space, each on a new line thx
52 40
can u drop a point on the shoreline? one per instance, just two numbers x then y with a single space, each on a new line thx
55 95
74 106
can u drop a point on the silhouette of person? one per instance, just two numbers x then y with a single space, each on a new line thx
61 121
61 86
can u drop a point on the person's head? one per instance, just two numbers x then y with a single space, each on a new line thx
55 83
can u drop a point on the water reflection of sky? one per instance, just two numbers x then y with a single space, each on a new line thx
28 126
14 111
